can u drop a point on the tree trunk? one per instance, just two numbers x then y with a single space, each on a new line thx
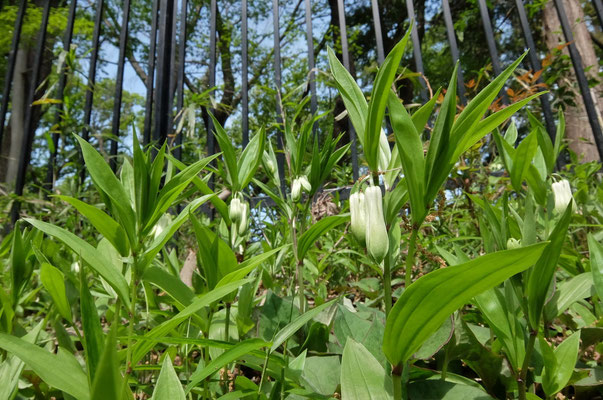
577 129
16 131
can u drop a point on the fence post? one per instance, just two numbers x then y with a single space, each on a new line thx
416 49
280 157
163 101
312 75
180 85
244 82
454 49
150 75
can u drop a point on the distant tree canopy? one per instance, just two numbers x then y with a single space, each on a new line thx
474 56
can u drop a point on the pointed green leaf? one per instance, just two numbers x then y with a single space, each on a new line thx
523 158
54 282
228 152
542 274
61 370
108 381
251 158
379 97
362 377
97 260
426 303
168 385
307 239
234 353
556 375
596 263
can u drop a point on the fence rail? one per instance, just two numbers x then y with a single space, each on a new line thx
167 46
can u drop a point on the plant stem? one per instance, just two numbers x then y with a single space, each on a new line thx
521 382
132 321
397 379
227 339
298 268
410 258
387 285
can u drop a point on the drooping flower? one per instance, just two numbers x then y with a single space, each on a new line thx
243 223
303 179
377 242
296 190
358 216
235 209
562 193
513 243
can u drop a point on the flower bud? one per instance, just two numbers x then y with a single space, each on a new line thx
303 179
358 216
562 193
242 228
234 209
377 242
513 243
385 152
296 190
269 164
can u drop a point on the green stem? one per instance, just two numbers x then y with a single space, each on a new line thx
521 382
298 267
410 258
227 339
132 321
397 379
387 285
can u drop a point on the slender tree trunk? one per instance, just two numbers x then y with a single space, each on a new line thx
17 118
578 131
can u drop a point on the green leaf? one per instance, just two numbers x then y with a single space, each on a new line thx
251 158
362 377
144 345
108 381
379 97
437 160
421 116
544 142
541 275
107 182
90 255
558 373
477 107
103 223
559 134
522 160
307 239
568 292
54 282
352 96
505 324
170 284
61 370
230 355
247 266
174 188
410 148
426 303
437 389
596 263
93 332
160 241
168 385
292 327
228 151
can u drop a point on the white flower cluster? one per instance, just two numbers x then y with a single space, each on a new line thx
368 223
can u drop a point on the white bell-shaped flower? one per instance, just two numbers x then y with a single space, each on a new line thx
513 243
385 152
234 209
377 242
358 216
296 190
562 193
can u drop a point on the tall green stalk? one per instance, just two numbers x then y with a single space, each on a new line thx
410 258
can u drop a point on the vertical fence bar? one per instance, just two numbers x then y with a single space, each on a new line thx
10 69
589 104
454 49
119 82
211 143
345 56
378 34
164 53
30 130
60 96
312 75
148 117
180 85
280 157
244 78
483 8
535 64
92 70
416 48
173 69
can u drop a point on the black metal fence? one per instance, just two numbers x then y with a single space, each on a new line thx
166 41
